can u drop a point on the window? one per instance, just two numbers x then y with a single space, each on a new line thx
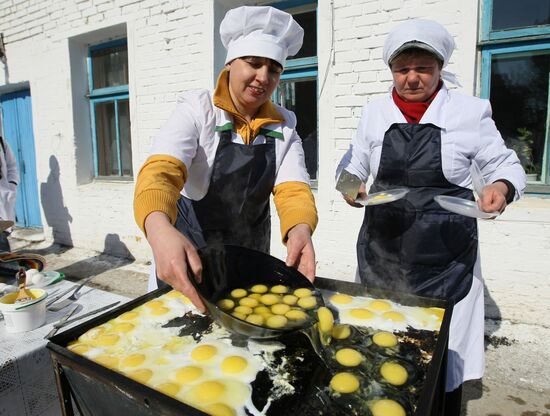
515 45
297 89
109 106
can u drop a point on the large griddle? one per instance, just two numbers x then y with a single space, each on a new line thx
97 390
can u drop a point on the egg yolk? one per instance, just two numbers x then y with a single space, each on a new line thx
245 310
255 319
256 296
307 302
394 373
128 316
290 299
269 299
344 383
238 293
226 304
204 352
349 357
79 348
219 409
437 312
326 319
153 304
208 391
386 407
341 299
106 340
384 339
234 364
302 292
259 289
276 321
280 309
379 305
262 310
188 374
251 303
296 315
170 389
107 360
143 375
361 313
133 360
161 310
174 294
123 327
279 289
341 331
174 345
393 316
240 316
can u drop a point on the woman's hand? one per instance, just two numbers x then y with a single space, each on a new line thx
360 195
494 197
300 252
173 253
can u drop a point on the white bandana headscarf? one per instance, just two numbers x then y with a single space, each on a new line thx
423 34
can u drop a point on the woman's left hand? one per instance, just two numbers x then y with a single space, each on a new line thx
494 198
300 252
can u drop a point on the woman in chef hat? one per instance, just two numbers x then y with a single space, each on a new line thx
220 155
424 137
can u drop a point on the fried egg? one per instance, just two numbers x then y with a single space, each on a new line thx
384 314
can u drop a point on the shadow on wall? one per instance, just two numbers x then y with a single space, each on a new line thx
115 254
56 213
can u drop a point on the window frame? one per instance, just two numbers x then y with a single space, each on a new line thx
101 95
305 68
518 42
488 35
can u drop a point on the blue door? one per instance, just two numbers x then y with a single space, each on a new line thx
18 132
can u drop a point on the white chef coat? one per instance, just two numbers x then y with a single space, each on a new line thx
467 133
190 135
8 182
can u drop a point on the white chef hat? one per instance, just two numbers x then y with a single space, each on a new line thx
419 33
260 31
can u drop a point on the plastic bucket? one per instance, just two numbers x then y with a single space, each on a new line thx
22 317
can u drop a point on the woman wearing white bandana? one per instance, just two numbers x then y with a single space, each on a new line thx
424 137
226 152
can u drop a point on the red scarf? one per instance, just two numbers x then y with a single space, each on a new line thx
413 112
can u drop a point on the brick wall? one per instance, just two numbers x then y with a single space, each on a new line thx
171 49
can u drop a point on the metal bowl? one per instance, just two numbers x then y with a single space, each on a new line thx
227 267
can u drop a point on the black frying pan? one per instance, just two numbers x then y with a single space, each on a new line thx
227 267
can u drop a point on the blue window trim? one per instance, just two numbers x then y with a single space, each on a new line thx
487 34
517 49
109 94
289 4
488 52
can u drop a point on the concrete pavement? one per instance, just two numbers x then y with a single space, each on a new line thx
517 379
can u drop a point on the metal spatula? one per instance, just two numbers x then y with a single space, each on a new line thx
74 297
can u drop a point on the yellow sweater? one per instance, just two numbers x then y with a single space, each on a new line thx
162 177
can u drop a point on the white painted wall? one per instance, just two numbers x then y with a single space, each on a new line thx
173 46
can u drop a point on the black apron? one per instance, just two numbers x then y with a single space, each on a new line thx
413 245
235 209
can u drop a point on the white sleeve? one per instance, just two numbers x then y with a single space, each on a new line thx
495 160
179 136
357 157
293 163
11 164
